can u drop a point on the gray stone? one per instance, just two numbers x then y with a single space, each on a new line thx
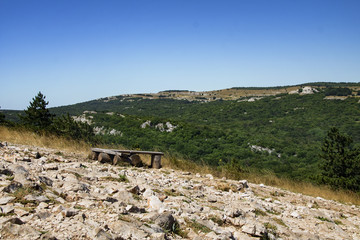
233 212
110 199
25 159
51 167
70 212
43 215
254 229
48 236
125 230
166 220
212 199
7 172
12 187
135 190
158 236
15 220
23 231
134 209
7 209
101 234
6 200
46 180
37 155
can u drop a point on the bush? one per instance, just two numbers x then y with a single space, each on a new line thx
337 91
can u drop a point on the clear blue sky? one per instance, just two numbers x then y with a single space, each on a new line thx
79 50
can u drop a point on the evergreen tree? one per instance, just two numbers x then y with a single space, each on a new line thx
341 162
37 116
2 118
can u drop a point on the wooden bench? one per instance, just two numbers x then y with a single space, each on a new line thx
114 156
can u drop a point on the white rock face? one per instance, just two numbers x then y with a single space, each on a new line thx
74 198
146 124
162 127
308 90
83 119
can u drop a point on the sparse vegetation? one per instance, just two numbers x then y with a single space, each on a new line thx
280 222
259 212
324 219
121 178
197 227
216 219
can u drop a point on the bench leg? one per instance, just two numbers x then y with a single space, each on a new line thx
156 161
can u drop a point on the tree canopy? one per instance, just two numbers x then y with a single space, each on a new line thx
341 161
37 116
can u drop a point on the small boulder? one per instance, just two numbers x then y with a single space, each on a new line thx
166 220
37 155
47 181
155 204
135 190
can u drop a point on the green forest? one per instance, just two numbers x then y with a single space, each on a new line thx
282 134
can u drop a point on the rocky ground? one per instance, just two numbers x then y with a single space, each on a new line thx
47 194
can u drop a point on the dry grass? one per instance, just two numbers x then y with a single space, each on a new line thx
49 141
306 188
267 179
62 144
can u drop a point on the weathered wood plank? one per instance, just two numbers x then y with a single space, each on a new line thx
115 151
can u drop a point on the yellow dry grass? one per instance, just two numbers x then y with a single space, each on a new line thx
26 137
168 161
268 179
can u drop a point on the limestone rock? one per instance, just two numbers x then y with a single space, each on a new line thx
154 204
6 200
7 209
74 198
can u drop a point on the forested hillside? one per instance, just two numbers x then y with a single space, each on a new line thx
263 130
281 133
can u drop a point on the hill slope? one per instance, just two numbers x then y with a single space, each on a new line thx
62 196
279 129
282 133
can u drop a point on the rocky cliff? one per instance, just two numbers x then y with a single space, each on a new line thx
47 194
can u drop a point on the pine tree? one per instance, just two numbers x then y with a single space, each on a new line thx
2 118
37 116
341 162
